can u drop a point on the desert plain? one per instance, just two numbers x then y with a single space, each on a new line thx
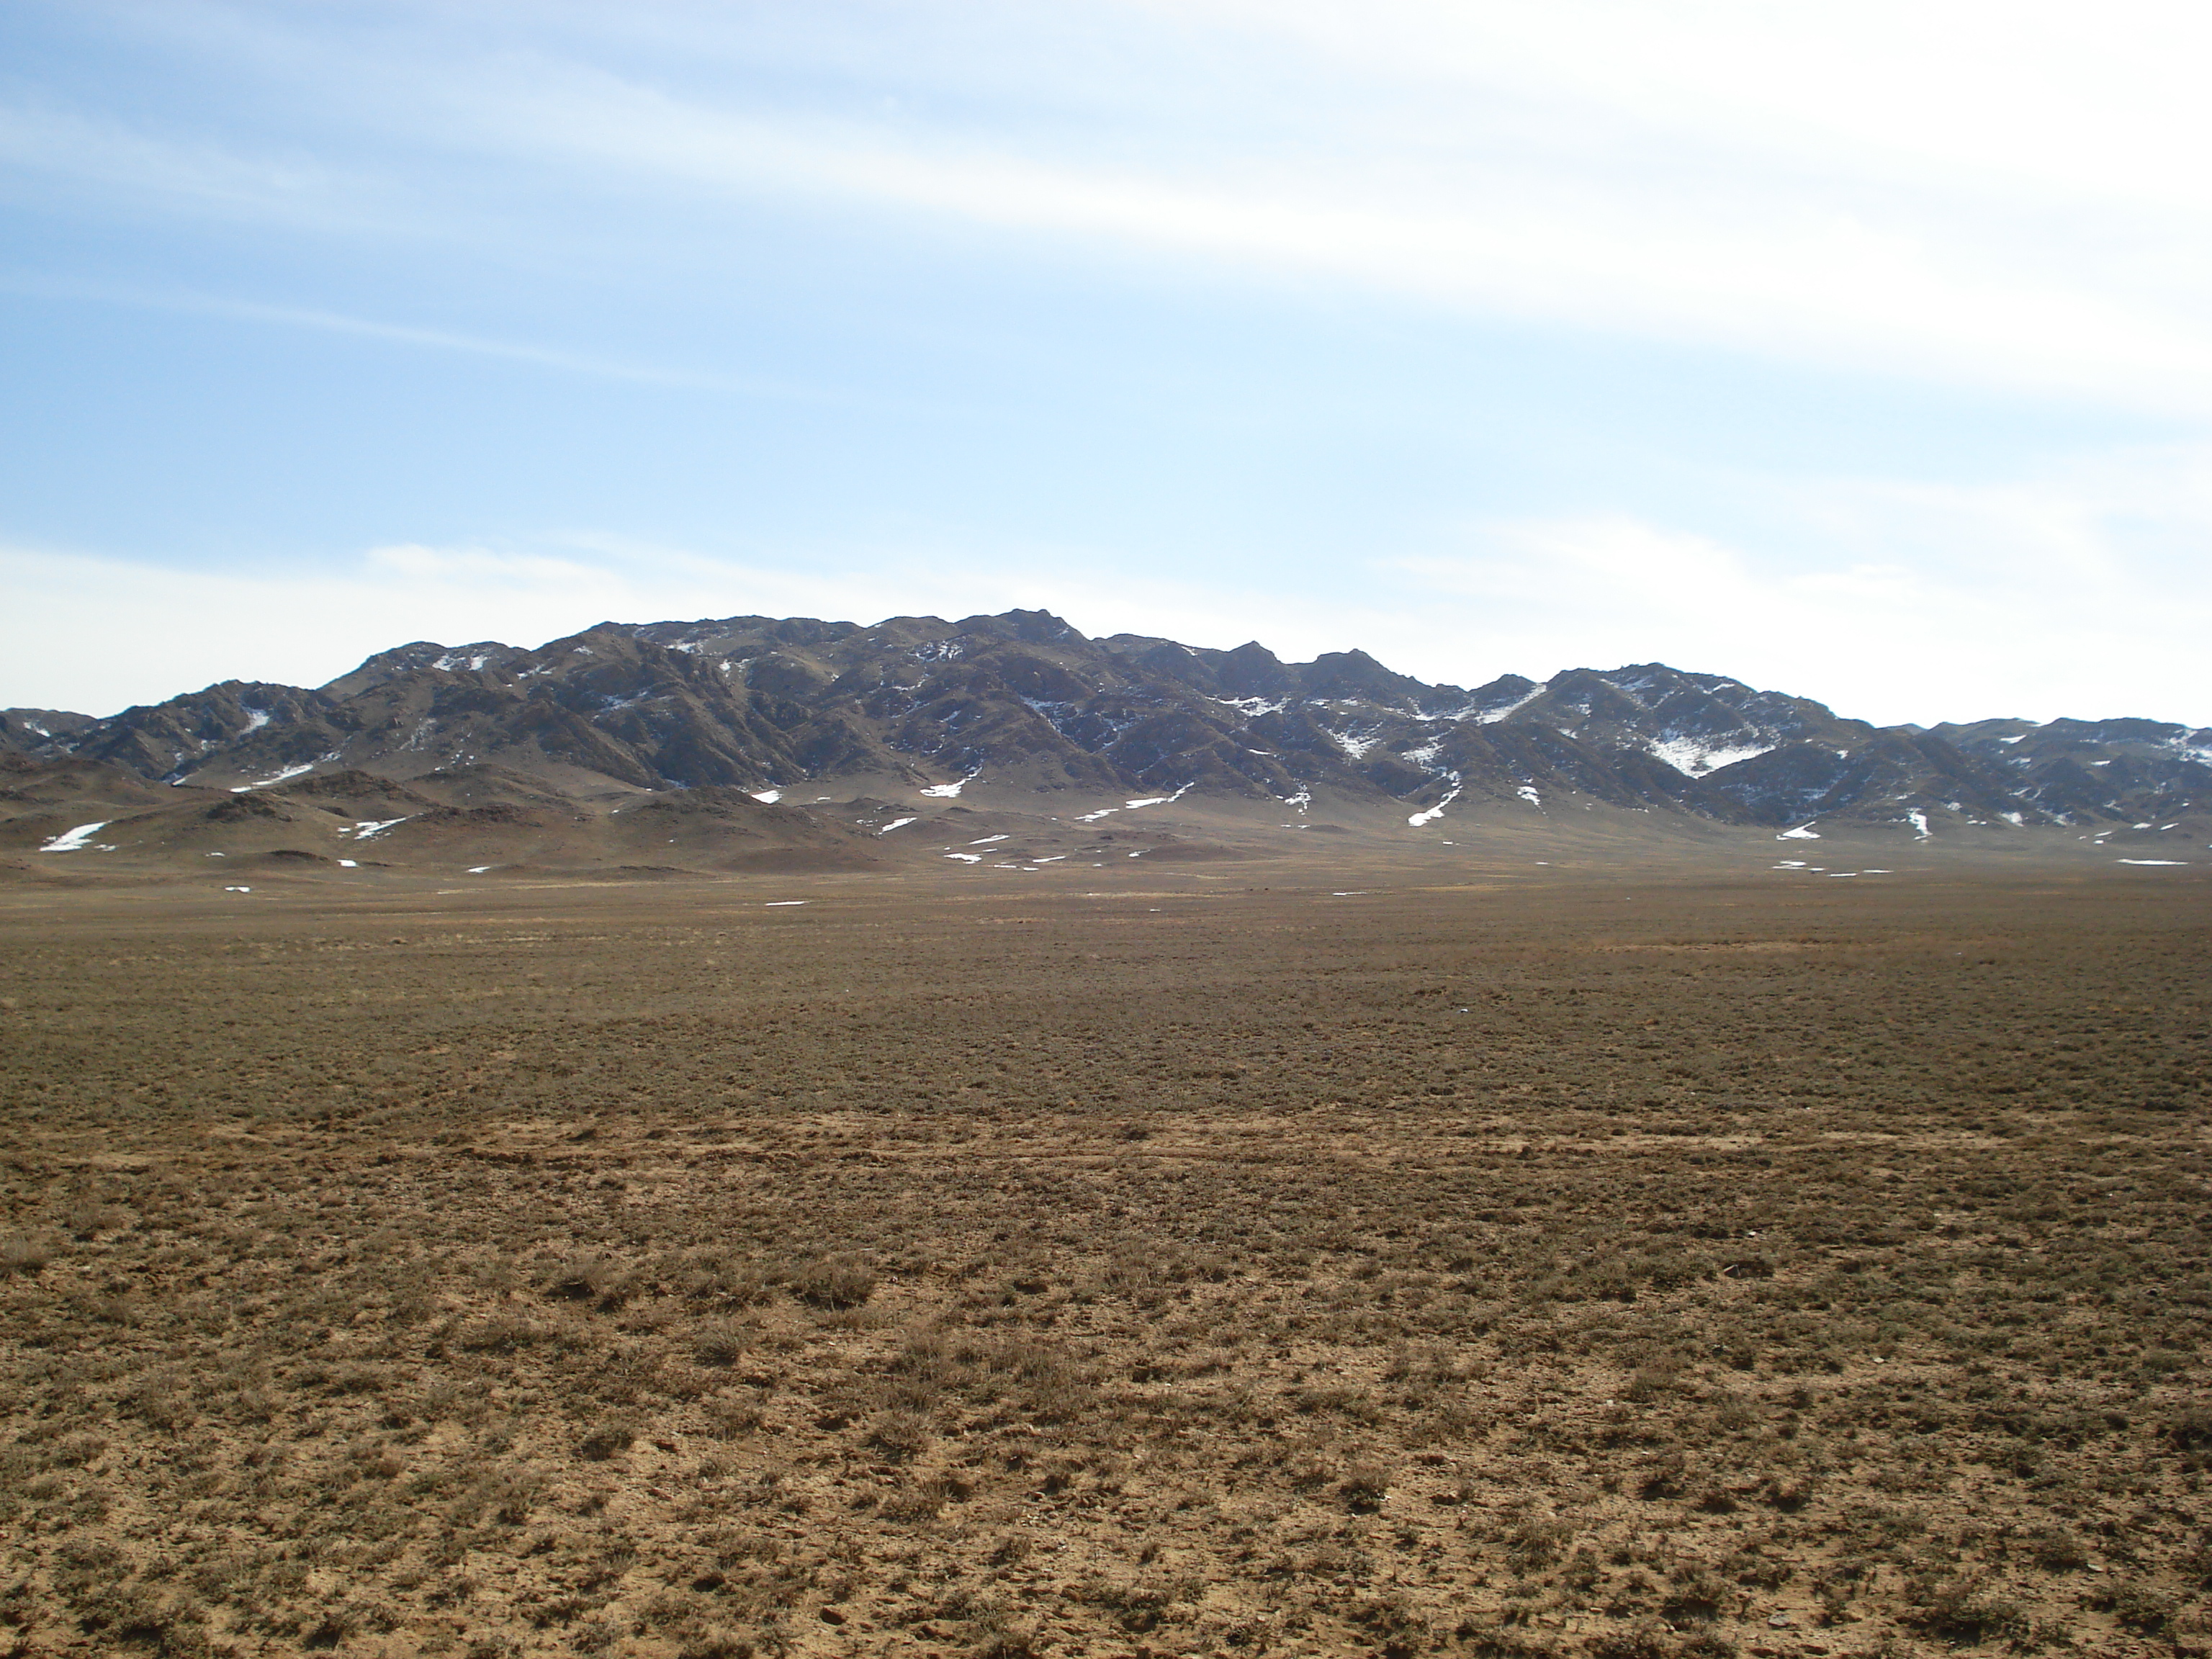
1632 1251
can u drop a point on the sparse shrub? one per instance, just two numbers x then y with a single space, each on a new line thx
1535 1541
997 1638
2140 1607
591 1278
1365 1484
2057 1549
900 1434
606 1440
1653 1381
75 1450
726 1420
23 1255
593 1636
498 1333
1396 1626
833 1284
723 1341
87 1221
1787 1492
917 1500
1651 1639
1697 1594
2192 1429
1971 1608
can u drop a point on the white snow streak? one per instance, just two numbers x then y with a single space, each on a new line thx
1492 716
1430 815
1157 800
274 777
76 840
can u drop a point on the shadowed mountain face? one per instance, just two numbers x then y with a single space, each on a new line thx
753 704
26 729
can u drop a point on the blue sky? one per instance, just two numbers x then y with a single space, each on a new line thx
1862 352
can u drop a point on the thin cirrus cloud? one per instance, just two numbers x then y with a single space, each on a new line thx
1729 182
80 154
589 364
1999 197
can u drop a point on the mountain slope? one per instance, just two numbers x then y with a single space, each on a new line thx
1024 702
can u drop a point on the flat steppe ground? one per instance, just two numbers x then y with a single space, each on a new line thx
1665 1260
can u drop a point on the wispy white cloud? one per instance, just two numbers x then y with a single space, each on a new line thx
2002 196
46 146
442 339
1858 267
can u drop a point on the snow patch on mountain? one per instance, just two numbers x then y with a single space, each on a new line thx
1357 743
1157 800
1430 815
370 829
285 775
1492 716
1695 756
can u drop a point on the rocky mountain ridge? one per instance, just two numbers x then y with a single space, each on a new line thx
1023 702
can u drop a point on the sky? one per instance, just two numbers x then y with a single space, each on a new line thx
1863 353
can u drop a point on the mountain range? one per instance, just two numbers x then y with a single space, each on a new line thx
759 708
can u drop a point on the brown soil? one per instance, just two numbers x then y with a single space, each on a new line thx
1642 1262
